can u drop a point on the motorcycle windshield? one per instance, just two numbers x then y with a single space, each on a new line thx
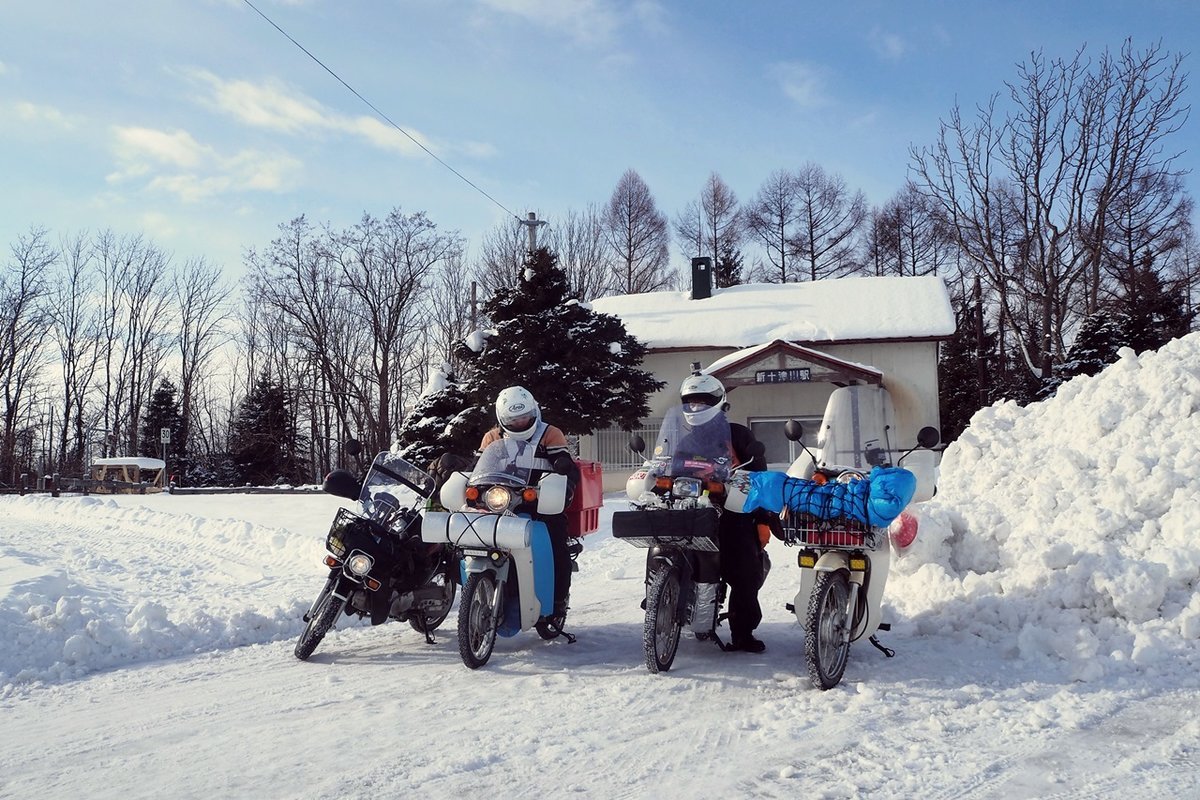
506 462
684 450
856 429
392 482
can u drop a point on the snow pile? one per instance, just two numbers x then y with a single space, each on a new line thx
1068 528
125 585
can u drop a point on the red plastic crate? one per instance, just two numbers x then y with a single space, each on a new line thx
583 512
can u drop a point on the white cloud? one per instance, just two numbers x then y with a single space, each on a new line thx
272 105
37 114
174 162
888 46
803 83
586 21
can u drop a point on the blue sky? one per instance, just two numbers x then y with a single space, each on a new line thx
197 123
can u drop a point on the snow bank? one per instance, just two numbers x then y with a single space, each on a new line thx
1067 529
122 585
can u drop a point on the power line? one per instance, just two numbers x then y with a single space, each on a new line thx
382 115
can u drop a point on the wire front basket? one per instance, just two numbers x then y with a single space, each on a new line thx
806 530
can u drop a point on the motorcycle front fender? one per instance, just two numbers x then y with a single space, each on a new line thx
832 561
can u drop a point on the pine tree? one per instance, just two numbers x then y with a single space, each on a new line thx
443 420
264 440
960 393
583 367
728 269
1153 315
163 412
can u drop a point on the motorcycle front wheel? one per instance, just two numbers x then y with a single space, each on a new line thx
426 622
826 645
320 619
660 633
477 620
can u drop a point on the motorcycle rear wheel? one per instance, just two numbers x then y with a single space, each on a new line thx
320 620
425 623
660 632
826 646
477 620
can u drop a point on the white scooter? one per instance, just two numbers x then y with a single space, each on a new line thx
844 558
507 566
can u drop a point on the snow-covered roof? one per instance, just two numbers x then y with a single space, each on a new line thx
842 309
132 461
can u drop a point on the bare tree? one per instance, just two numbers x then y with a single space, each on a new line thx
723 220
23 320
76 324
448 310
906 237
1033 195
772 218
689 229
829 216
502 257
200 297
579 242
385 265
636 231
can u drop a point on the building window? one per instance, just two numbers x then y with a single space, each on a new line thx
781 452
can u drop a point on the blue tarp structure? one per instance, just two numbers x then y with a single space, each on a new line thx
876 501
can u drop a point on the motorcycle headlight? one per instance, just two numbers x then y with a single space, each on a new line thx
359 563
497 498
686 487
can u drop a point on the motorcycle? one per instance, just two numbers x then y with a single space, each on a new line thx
506 562
843 507
378 564
677 498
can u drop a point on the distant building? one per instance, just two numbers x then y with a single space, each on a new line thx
781 349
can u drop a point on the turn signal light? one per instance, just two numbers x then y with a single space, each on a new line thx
662 483
716 487
332 562
858 564
472 493
529 495
373 584
819 479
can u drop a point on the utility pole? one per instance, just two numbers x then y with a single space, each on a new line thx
532 223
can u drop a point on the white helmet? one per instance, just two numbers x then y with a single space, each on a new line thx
517 412
703 397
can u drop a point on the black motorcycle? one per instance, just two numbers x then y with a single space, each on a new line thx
378 565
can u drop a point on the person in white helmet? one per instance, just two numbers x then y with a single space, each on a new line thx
518 416
703 399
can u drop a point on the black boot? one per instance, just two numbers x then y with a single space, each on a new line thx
747 643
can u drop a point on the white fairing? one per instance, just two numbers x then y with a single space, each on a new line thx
552 494
881 561
640 482
858 419
469 529
923 464
453 494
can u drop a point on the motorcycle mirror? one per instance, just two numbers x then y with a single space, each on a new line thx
793 430
876 456
341 483
928 437
352 447
637 444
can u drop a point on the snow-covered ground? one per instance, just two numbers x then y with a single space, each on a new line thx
1046 623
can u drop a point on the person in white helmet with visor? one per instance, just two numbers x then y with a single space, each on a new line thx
518 416
703 399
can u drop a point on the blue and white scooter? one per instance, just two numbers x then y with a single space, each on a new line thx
507 566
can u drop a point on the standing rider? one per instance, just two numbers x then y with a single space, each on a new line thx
703 399
519 417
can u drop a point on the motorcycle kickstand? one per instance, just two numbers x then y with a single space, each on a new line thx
887 651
